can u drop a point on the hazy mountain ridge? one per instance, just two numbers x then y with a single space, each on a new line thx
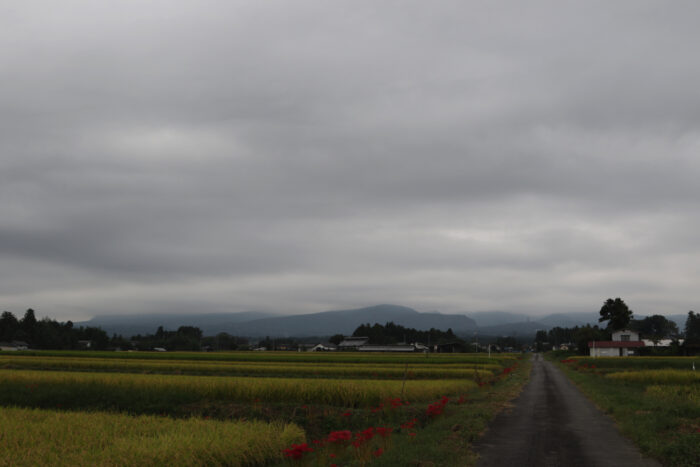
209 323
326 323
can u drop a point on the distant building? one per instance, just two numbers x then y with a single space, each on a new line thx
325 347
662 342
388 348
13 346
622 344
352 343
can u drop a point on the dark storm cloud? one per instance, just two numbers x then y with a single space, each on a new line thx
313 155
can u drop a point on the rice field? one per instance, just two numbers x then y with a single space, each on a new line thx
251 368
309 357
231 408
157 393
657 377
32 437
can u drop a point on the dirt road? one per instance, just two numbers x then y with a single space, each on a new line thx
553 424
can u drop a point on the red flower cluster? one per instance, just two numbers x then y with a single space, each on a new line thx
568 360
383 431
436 409
297 451
339 436
461 400
396 402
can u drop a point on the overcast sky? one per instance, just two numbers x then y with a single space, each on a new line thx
300 156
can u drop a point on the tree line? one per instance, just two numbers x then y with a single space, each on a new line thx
49 334
392 333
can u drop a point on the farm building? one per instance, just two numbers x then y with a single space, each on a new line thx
13 346
324 347
352 343
394 348
622 344
662 342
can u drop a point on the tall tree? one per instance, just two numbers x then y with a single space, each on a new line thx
692 329
8 326
28 324
616 313
657 327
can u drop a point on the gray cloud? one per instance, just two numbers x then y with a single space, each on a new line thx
299 157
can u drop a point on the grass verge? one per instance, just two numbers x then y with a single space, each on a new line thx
448 439
661 420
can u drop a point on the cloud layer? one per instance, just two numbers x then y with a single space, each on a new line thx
302 156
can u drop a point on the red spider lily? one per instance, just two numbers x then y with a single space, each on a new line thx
383 431
395 402
411 434
433 410
461 400
378 452
437 408
366 434
409 424
346 414
339 436
378 408
297 451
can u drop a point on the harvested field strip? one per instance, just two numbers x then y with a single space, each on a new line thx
42 437
161 393
311 357
302 369
657 376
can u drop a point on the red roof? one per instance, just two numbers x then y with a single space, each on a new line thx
616 344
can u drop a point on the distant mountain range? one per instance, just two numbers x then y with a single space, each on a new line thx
260 324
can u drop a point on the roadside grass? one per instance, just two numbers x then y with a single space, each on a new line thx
663 420
448 440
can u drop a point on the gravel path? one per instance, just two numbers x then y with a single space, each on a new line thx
553 424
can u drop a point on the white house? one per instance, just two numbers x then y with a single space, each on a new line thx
622 344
